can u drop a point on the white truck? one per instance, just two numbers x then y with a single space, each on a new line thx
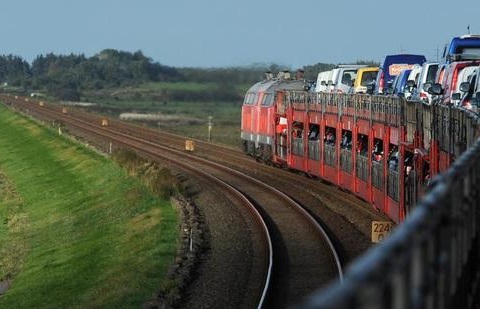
339 79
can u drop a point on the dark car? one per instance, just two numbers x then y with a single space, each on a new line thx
399 84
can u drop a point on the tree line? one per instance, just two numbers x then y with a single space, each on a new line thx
68 77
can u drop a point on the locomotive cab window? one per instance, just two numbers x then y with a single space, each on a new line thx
268 99
250 98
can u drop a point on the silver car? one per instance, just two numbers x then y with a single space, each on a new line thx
425 80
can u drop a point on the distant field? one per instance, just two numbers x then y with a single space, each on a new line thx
75 230
184 117
179 86
160 89
241 88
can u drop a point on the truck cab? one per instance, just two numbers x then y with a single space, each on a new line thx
365 77
343 78
322 81
425 80
448 86
471 91
391 67
462 48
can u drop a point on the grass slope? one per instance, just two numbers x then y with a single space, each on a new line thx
75 231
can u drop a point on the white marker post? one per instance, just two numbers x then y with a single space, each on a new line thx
210 125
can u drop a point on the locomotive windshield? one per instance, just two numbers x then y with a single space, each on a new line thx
250 98
267 99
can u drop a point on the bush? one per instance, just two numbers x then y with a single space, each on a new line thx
157 178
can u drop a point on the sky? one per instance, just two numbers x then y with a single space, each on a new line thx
226 33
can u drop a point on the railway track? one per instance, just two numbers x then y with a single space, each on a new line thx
347 218
300 262
352 209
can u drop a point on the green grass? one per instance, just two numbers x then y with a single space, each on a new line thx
75 230
189 86
152 90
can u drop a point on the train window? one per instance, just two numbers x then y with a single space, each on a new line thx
246 100
346 163
408 163
393 179
410 181
313 131
362 145
297 129
330 155
346 142
254 99
361 148
250 98
313 143
377 152
297 141
393 157
267 99
330 136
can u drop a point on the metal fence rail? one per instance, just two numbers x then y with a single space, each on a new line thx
432 260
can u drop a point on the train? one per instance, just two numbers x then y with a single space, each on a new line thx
384 149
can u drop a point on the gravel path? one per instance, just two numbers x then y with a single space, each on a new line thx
224 267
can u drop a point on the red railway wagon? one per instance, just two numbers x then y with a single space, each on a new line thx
383 149
348 141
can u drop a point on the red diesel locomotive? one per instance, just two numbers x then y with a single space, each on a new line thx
383 149
259 113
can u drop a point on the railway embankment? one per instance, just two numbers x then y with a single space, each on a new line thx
88 233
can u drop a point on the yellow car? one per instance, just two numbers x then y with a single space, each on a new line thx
365 76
